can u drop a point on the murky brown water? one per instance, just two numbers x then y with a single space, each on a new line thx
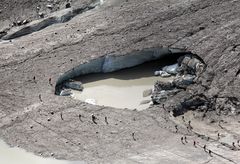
16 155
121 89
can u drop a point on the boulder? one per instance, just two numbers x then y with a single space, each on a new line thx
171 69
184 81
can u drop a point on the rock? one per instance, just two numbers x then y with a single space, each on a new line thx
25 21
145 102
49 6
68 5
184 81
75 85
65 92
41 15
19 23
147 92
159 85
162 74
161 96
171 69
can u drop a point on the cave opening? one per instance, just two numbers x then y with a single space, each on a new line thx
125 81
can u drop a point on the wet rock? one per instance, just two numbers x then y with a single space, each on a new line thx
147 92
162 74
75 85
65 92
171 69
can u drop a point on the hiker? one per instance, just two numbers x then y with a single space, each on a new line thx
182 140
194 143
80 117
185 138
40 97
183 119
218 136
94 118
50 81
133 135
163 106
61 115
210 152
189 124
204 147
176 127
106 120
233 144
34 79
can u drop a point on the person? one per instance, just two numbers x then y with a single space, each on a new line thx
185 138
94 118
183 119
194 143
133 135
106 121
61 115
50 81
204 147
218 136
176 127
80 117
210 152
182 140
40 97
233 144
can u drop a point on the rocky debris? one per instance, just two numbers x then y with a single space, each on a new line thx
75 85
147 92
186 64
186 72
